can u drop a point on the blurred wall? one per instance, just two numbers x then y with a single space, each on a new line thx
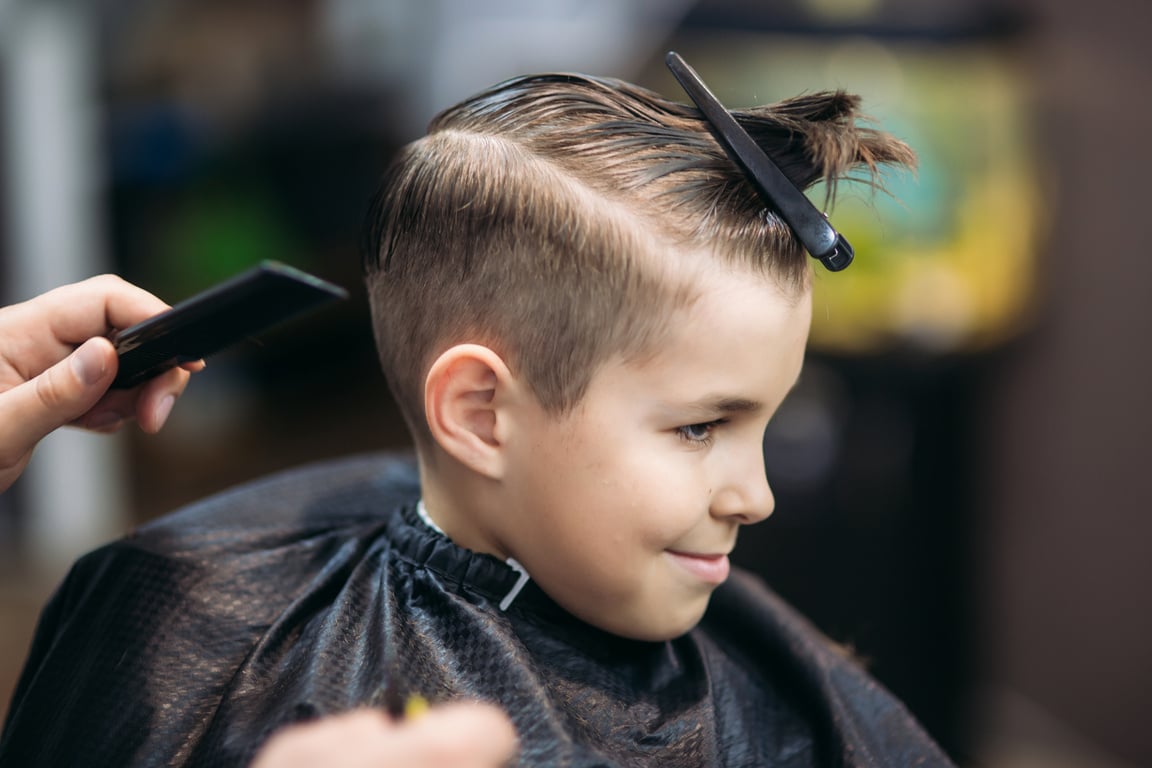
1069 430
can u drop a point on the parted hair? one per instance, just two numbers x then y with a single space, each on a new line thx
532 218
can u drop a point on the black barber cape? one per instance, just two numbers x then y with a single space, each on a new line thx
192 639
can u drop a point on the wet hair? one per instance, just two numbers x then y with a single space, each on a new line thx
539 218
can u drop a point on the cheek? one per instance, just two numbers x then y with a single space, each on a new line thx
618 488
665 472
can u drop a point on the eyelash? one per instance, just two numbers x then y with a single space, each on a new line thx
710 426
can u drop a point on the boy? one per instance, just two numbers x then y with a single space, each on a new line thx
588 317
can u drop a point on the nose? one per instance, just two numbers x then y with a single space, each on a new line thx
744 495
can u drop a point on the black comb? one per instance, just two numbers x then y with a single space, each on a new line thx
811 226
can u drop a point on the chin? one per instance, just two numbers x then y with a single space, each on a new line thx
659 630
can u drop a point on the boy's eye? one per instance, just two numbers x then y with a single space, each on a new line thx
698 433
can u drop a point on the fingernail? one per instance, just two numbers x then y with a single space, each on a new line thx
88 364
163 409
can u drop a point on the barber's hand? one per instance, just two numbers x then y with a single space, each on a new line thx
47 382
448 736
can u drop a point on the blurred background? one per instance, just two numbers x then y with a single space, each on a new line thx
963 495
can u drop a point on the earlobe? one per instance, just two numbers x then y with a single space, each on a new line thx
462 399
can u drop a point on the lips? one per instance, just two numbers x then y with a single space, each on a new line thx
712 569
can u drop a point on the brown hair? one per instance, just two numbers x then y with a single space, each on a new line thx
532 216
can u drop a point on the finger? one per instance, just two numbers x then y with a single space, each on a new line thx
59 395
149 404
126 304
157 398
456 735
359 739
95 306
461 734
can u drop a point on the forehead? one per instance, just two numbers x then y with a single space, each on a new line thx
739 335
690 272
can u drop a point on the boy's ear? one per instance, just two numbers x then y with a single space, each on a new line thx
464 392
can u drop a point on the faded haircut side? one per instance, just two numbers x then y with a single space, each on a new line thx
527 220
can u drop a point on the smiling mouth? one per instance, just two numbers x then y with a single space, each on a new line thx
712 569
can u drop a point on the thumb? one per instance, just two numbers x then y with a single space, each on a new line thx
57 396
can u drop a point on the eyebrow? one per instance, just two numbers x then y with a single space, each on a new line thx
724 404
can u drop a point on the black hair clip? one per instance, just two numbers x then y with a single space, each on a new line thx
810 226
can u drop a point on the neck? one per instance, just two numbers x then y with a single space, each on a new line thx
460 502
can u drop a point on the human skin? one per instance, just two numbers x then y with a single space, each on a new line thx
461 735
56 367
624 510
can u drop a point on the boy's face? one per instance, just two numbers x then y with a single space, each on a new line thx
625 509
